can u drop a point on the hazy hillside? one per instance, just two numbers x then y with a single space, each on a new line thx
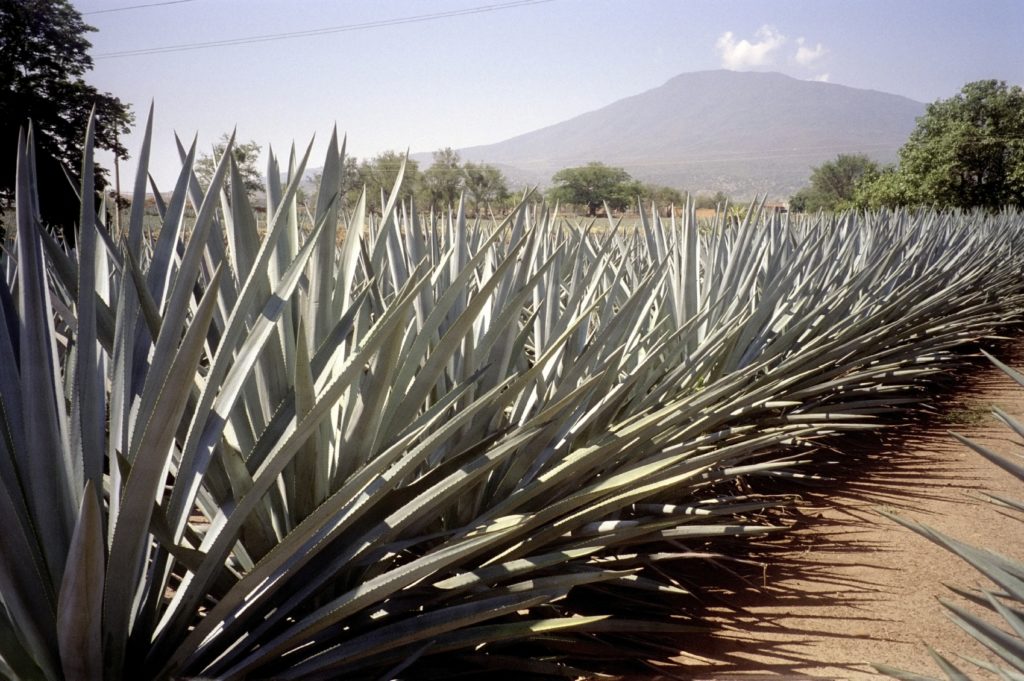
742 132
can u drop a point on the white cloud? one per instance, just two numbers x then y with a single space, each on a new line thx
821 78
806 56
742 54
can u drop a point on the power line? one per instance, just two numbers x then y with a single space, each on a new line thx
128 7
345 28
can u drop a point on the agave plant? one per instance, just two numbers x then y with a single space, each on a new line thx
1002 632
441 445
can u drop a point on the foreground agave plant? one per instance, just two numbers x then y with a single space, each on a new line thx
1005 637
440 446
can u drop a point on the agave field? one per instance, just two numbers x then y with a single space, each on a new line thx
441 447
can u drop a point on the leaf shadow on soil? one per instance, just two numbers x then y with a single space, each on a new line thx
801 573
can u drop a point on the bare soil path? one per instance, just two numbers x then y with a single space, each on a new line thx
849 587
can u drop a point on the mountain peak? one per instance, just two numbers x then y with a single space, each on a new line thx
742 132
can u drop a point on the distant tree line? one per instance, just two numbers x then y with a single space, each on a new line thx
439 187
596 185
966 152
590 187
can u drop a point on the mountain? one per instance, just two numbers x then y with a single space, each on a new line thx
740 132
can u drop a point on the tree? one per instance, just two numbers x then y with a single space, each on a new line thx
379 174
351 186
711 201
834 184
43 60
885 188
442 182
966 152
484 183
246 155
593 184
662 196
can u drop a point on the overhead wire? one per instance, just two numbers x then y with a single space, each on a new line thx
344 28
131 7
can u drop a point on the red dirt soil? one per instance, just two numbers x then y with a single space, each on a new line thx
850 587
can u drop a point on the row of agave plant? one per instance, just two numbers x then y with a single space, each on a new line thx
439 446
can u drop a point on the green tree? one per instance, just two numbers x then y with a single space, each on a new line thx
662 196
350 185
626 194
484 183
246 155
593 184
43 61
966 152
887 188
712 201
379 174
834 184
442 182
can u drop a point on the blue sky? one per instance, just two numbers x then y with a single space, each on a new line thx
492 69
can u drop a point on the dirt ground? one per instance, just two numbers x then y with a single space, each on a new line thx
850 587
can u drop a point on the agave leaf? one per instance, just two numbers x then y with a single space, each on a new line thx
474 637
1003 462
148 466
15 661
88 397
80 603
11 419
394 672
120 398
1012 618
29 600
513 569
149 309
158 277
427 626
137 215
331 350
240 226
321 273
229 373
995 639
1009 371
371 591
365 411
428 375
349 257
311 474
329 520
393 640
176 310
1015 425
194 587
510 631
47 474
